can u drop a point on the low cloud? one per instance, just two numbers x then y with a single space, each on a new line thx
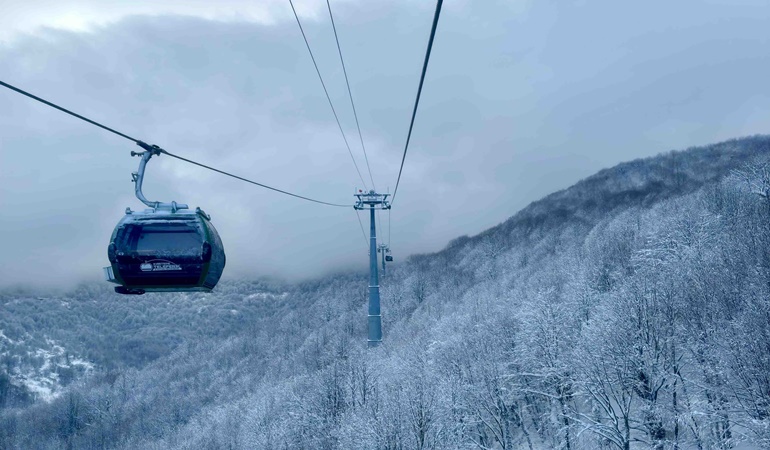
520 100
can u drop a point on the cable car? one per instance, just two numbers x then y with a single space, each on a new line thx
166 248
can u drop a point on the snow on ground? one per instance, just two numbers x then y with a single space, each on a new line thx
265 295
87 366
42 388
6 338
38 372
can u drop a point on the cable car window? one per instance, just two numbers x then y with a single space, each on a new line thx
169 240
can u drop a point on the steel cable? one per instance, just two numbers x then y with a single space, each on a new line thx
253 182
334 111
419 91
366 239
52 105
350 94
156 148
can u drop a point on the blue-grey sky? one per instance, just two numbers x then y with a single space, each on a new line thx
522 98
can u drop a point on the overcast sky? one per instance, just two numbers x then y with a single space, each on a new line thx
522 98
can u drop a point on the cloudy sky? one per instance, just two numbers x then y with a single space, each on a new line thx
522 98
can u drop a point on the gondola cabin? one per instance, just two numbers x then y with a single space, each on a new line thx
165 251
166 248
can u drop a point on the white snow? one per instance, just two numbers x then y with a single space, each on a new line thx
3 336
265 295
42 388
40 377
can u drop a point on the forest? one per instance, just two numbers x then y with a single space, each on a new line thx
629 311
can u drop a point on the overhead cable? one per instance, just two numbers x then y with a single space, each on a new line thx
46 102
419 91
334 111
160 150
253 182
350 94
366 239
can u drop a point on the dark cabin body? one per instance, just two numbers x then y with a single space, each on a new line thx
164 251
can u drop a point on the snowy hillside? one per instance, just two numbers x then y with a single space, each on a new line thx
629 311
34 373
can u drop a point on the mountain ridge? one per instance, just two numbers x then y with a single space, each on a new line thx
731 154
